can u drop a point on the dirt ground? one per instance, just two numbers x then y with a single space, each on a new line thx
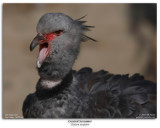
117 50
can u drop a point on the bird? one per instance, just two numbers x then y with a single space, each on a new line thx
62 92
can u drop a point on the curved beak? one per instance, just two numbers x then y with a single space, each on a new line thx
36 40
34 43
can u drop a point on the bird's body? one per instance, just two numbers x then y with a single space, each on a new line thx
85 94
64 93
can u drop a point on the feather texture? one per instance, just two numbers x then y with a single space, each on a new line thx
91 94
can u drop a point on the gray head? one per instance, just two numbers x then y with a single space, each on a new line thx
59 38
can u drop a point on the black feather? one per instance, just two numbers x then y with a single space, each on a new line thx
94 95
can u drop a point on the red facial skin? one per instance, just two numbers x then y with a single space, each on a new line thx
47 38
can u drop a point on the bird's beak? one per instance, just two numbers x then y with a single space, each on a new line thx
34 43
40 37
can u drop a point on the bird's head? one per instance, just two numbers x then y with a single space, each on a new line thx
58 37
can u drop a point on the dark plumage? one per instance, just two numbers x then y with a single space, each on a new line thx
64 93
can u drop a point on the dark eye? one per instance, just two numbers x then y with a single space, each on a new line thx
59 32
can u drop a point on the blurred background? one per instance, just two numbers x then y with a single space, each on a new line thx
126 35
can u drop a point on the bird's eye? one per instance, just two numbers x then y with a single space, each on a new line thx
59 32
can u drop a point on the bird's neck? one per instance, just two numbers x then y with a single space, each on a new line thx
51 87
49 83
54 71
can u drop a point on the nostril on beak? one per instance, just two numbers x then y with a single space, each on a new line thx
40 36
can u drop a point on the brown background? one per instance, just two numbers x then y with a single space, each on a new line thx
118 49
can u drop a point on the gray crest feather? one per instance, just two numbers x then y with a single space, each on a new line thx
84 29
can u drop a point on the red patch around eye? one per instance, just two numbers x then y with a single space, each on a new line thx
53 35
50 36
